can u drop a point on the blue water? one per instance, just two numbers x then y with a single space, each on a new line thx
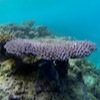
77 18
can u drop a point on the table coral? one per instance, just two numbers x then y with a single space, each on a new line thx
54 54
50 49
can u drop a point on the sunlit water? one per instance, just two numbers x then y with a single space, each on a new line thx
77 18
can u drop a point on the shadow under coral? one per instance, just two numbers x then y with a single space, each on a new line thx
48 75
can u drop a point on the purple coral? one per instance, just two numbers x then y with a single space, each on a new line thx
50 49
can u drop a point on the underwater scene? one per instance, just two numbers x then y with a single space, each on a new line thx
49 50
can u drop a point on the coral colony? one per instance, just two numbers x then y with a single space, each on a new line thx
54 54
25 30
50 49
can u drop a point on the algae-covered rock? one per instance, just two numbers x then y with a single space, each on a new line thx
23 87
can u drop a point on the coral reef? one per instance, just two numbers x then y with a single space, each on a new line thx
53 53
26 30
45 69
22 87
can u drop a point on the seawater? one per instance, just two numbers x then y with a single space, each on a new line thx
76 18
